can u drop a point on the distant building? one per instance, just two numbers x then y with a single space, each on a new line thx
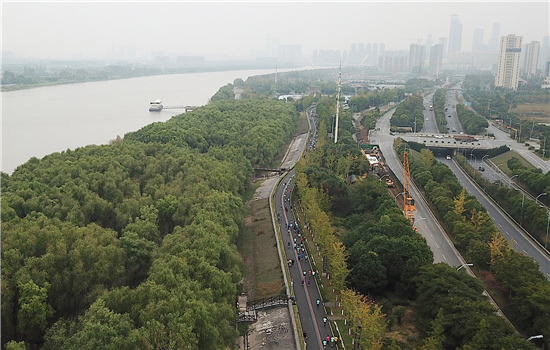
495 35
544 52
478 40
508 62
436 57
455 34
290 54
531 57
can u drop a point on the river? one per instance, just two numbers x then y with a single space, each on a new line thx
40 121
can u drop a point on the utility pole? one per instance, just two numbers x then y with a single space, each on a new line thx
338 104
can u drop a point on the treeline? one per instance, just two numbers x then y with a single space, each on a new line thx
439 109
471 123
365 100
409 111
479 240
132 245
533 178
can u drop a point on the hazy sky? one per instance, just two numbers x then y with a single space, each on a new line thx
61 29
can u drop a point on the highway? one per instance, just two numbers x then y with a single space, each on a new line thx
430 124
514 234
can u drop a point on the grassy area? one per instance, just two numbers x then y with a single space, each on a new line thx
533 112
262 269
503 159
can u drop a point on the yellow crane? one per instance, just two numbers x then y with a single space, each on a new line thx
408 201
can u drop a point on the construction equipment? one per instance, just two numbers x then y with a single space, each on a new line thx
408 201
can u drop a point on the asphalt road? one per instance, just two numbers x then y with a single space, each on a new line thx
311 315
518 240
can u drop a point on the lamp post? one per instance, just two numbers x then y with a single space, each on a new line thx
547 225
512 178
473 155
540 336
482 158
542 194
463 265
395 198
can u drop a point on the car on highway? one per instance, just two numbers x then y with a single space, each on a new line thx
448 157
481 168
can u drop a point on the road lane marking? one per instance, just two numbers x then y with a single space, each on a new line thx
500 225
437 245
507 233
443 256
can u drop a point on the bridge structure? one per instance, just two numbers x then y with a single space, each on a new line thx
271 170
440 141
247 310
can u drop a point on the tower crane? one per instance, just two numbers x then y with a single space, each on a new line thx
408 201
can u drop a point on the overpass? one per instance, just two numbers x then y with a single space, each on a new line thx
448 141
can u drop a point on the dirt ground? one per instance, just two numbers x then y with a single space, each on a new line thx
272 330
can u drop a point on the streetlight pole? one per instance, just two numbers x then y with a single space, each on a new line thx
512 178
463 265
544 146
542 194
540 336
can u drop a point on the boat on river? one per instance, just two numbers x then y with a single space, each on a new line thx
155 106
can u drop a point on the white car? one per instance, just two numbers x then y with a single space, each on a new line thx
448 157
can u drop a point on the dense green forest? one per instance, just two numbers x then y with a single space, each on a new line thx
132 245
409 113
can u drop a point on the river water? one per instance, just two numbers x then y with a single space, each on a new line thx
40 121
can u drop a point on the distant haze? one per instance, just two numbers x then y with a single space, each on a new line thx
238 30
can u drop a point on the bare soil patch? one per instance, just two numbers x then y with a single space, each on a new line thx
262 269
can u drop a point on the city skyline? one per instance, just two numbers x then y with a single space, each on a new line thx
239 30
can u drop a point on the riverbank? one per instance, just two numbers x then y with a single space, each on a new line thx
131 74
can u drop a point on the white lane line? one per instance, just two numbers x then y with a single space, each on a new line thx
443 256
500 225
493 218
437 245
431 234
524 251
507 233
548 274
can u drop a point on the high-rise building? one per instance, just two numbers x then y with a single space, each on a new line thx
455 34
478 40
428 45
443 42
531 57
508 62
373 58
544 52
414 53
495 35
436 57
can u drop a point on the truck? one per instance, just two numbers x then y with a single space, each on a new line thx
465 138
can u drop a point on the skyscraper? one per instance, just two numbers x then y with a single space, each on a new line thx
531 57
443 53
508 62
544 52
478 40
495 35
455 34
436 55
